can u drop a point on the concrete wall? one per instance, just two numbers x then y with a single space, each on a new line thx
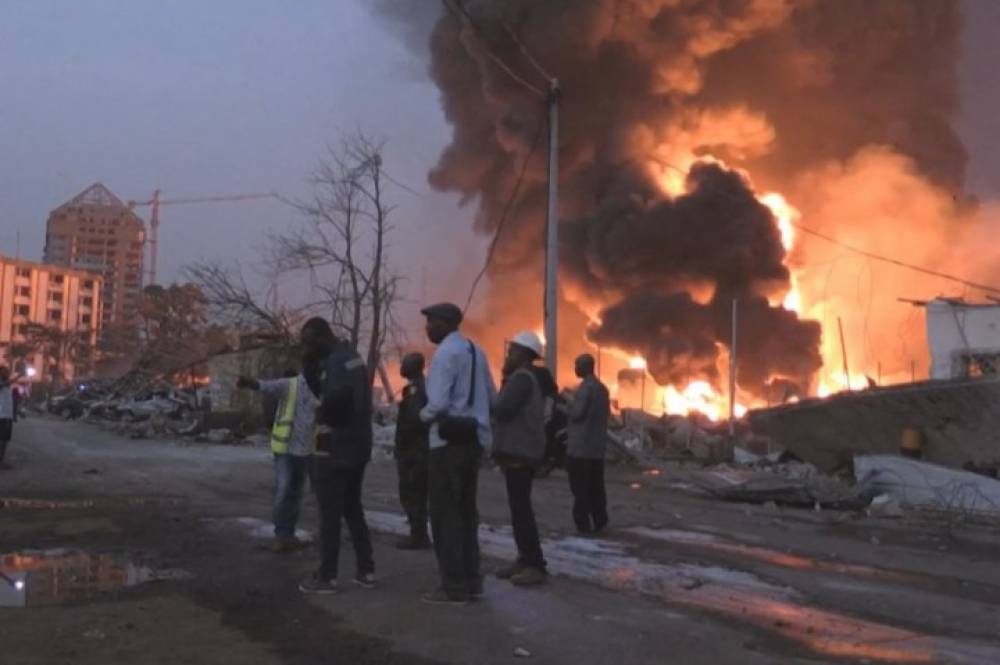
960 421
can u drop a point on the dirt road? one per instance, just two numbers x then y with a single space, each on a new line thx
121 551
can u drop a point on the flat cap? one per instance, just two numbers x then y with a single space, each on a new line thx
445 311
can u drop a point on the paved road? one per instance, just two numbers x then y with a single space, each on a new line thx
681 578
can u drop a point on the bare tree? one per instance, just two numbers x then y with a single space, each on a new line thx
342 245
231 302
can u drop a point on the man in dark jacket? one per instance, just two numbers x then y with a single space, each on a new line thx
411 452
588 437
518 448
336 373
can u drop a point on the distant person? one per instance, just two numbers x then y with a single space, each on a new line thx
555 422
7 412
589 413
460 390
292 439
336 373
519 448
411 452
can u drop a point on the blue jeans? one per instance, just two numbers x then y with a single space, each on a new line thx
290 473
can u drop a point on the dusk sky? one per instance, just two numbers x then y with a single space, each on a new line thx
242 96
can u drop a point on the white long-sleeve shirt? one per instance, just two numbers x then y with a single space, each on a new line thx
448 387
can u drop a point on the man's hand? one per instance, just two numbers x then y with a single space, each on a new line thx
247 382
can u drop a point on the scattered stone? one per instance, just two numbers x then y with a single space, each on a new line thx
521 652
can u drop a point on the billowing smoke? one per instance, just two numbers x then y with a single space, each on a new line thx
655 245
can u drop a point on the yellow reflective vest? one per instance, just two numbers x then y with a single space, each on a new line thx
281 433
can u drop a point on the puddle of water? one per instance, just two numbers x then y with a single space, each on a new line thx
36 578
258 528
737 595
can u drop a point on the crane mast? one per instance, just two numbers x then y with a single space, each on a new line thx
154 216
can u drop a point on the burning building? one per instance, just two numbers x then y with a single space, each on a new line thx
713 151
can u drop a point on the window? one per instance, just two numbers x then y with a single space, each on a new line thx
88 301
59 279
85 319
23 310
24 272
55 315
24 291
56 297
88 284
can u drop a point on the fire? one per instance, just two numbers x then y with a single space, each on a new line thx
637 362
786 217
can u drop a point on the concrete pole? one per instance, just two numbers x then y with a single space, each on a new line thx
552 237
732 374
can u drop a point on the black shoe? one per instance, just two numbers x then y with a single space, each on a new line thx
599 526
366 580
476 589
318 586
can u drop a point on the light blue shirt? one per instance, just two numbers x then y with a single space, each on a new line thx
448 387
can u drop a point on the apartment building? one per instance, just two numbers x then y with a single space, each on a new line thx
65 301
95 231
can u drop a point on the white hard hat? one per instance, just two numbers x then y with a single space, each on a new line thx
528 340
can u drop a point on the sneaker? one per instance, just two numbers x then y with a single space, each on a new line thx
318 586
442 597
366 580
510 571
530 576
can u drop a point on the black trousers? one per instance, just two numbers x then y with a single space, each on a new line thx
522 516
6 432
411 466
590 503
453 475
338 491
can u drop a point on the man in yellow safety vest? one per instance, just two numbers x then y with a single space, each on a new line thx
293 444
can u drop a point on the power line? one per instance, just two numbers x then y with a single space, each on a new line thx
897 262
456 8
863 252
503 216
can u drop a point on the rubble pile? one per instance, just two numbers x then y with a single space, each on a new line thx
641 437
134 407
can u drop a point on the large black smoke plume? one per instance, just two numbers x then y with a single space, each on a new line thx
774 88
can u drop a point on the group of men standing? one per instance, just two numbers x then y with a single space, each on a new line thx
446 422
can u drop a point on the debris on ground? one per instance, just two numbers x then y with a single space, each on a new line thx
918 484
807 491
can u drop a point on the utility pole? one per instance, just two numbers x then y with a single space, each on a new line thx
551 304
732 374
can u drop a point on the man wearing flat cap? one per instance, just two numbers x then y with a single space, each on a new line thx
460 390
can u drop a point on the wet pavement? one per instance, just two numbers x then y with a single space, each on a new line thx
678 577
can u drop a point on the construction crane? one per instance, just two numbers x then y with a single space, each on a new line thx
154 216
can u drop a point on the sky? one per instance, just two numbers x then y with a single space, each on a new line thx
203 98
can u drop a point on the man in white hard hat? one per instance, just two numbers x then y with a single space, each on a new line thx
519 448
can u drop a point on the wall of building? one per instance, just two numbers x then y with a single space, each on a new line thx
97 232
957 329
52 296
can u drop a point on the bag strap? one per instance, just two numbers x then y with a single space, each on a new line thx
472 376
